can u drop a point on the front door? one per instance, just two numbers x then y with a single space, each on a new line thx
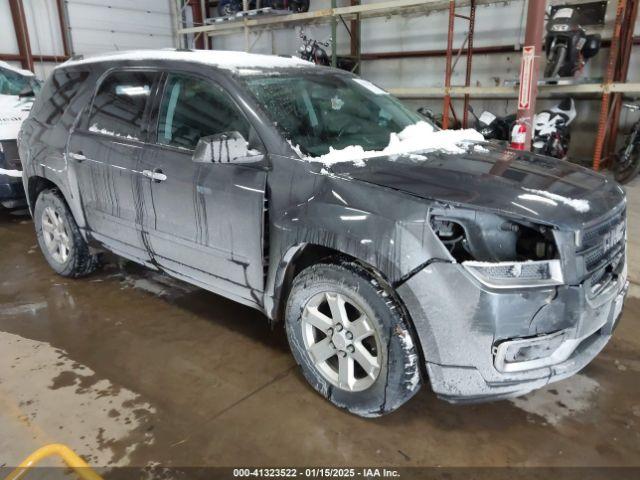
205 220
104 152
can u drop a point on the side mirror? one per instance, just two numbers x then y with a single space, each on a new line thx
227 147
426 112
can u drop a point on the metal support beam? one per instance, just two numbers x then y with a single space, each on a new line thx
22 34
447 69
334 34
356 49
533 37
467 80
64 30
609 76
621 74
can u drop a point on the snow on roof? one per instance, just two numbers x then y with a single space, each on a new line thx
227 59
26 73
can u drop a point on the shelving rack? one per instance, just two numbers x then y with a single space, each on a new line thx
610 89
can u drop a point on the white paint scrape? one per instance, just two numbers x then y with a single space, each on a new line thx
11 173
578 205
554 403
54 399
418 137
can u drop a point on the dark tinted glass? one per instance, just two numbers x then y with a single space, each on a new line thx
57 94
193 108
118 108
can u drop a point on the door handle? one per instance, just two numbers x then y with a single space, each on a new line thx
156 175
78 156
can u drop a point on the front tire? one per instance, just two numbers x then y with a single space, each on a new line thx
352 339
59 237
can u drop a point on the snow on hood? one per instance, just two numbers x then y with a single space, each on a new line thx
227 59
26 73
414 138
578 205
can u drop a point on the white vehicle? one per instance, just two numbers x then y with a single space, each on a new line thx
17 93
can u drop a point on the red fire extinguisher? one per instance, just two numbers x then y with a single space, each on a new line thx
518 136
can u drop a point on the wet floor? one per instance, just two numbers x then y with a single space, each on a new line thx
128 367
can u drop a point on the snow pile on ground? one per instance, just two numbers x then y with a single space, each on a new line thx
417 137
578 205
226 59
11 173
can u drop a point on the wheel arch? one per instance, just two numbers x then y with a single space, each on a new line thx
36 184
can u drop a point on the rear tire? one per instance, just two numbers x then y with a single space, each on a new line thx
627 172
59 237
554 64
362 356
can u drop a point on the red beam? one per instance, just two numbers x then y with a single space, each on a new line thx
22 34
533 37
447 68
609 77
14 57
495 49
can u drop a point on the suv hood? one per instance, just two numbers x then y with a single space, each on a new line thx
520 184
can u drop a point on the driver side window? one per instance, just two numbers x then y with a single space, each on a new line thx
193 108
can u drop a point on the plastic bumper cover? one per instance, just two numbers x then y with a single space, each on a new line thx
465 330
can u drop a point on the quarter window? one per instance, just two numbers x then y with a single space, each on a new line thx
60 89
118 108
193 108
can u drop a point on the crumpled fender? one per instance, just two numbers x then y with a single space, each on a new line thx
394 248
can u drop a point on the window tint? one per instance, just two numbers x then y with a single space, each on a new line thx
118 107
57 94
193 108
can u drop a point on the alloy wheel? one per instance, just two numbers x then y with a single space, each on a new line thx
56 235
341 341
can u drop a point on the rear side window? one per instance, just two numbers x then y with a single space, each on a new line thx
118 108
193 108
60 89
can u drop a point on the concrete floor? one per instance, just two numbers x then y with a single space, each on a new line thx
130 368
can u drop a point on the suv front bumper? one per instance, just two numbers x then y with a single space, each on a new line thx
481 344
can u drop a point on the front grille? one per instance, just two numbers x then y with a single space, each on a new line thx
602 253
9 157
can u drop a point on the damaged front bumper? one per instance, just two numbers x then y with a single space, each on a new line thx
483 344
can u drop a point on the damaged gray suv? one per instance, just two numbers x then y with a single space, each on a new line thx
395 253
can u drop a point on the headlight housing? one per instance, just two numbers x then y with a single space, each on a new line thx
541 273
500 252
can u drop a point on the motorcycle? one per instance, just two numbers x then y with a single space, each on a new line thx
231 7
627 164
567 46
493 127
551 129
314 51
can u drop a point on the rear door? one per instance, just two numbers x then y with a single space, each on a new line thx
205 220
105 152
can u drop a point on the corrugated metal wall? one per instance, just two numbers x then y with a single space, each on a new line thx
95 26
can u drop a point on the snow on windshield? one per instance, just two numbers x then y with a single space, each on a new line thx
420 136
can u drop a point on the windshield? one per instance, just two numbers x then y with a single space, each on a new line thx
12 83
316 112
